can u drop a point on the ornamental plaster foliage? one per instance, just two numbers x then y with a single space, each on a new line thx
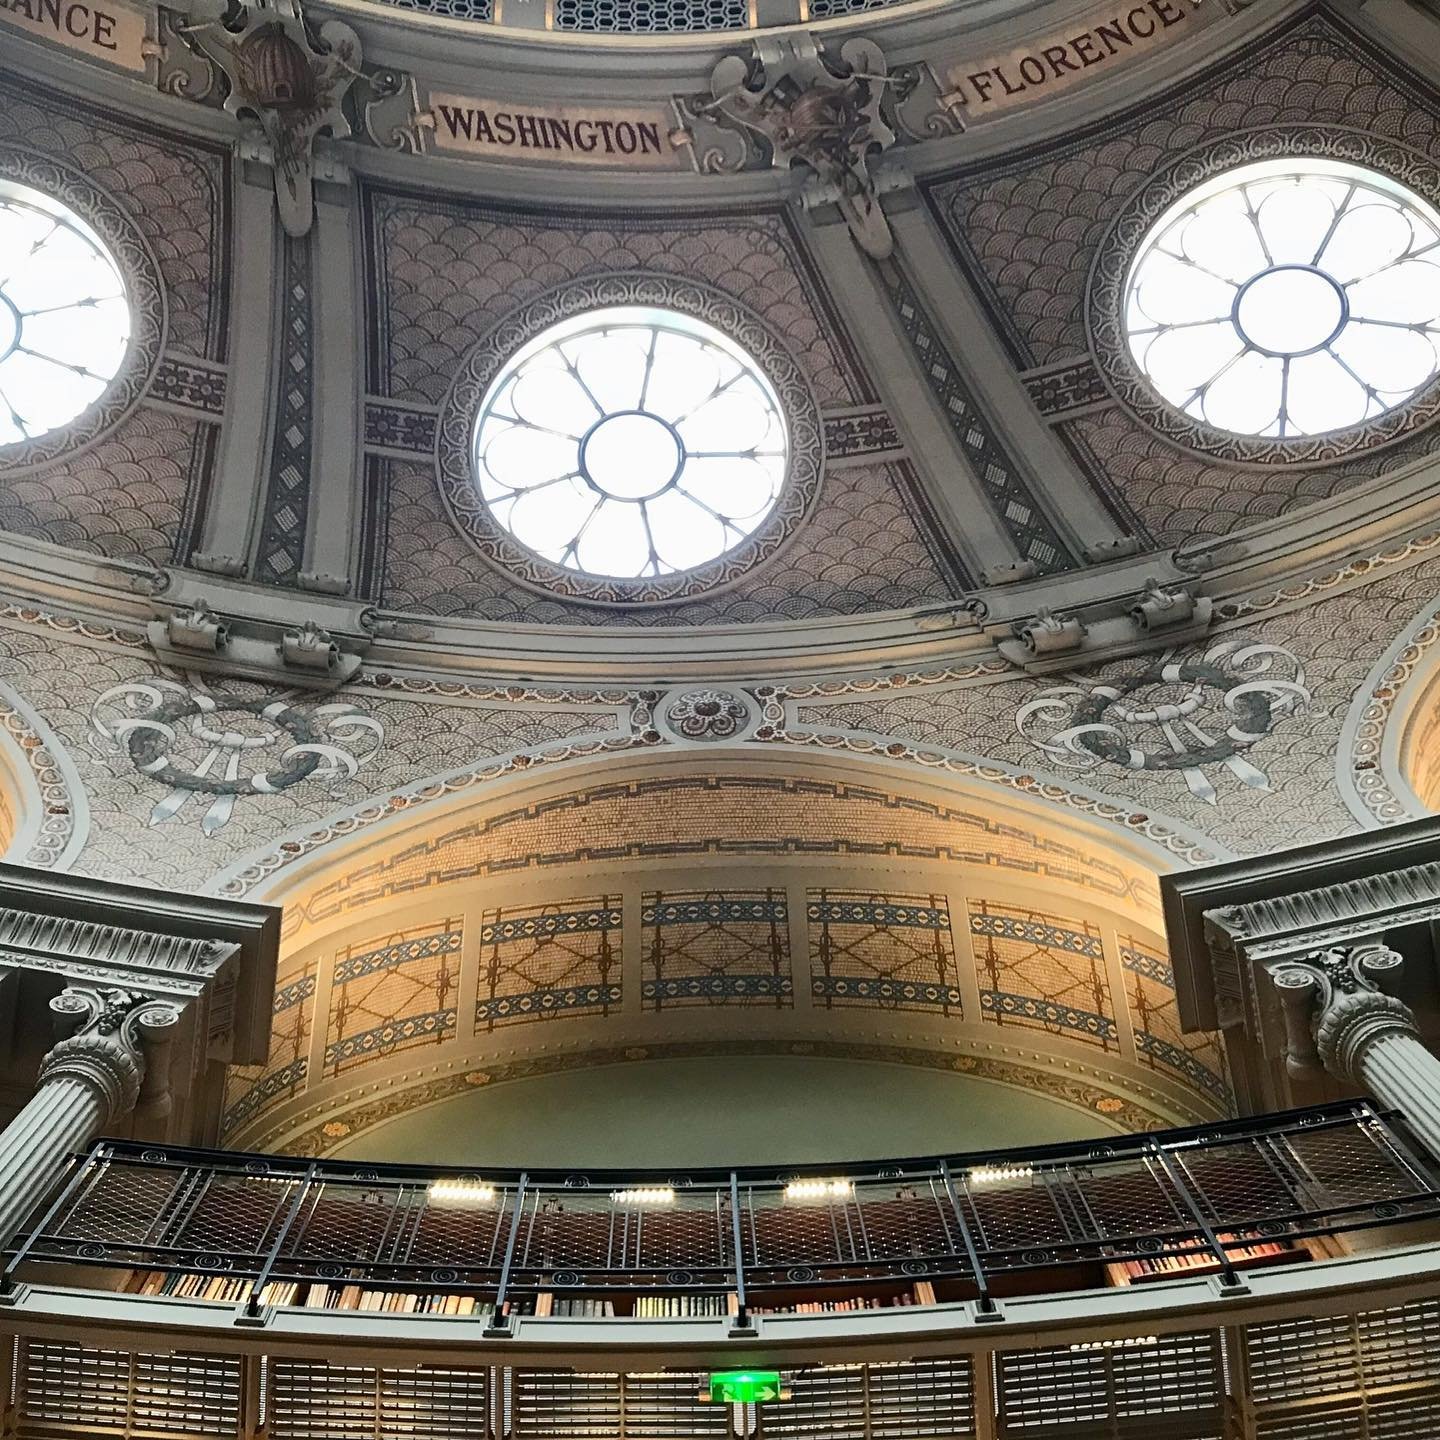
461 406
289 80
146 299
199 743
1173 714
807 108
1105 304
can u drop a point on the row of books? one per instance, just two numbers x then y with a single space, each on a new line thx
921 1293
583 1308
680 1307
310 1296
1241 1251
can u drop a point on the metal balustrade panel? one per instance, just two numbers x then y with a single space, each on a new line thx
1237 1183
905 1220
230 1215
1349 1165
694 1234
126 1203
1148 1197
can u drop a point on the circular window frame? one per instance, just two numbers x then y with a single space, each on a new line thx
461 409
60 185
1126 236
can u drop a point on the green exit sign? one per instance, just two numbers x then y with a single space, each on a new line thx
745 1387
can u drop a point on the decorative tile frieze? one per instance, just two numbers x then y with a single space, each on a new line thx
189 384
1197 1059
251 1089
712 948
861 433
398 428
894 952
389 997
287 500
1042 972
538 962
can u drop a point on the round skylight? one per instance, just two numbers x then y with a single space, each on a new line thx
1289 298
64 317
630 442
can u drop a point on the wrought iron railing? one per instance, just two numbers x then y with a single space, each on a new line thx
1158 1202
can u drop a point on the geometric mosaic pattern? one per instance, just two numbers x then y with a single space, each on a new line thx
894 952
393 996
540 961
995 468
1042 972
287 500
712 948
1198 1060
250 1088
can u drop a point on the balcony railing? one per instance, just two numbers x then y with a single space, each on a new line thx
976 1225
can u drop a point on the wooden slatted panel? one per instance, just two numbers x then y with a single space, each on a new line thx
68 1385
1395 1419
566 1405
64 1388
1172 1387
308 1401
186 1395
1293 1359
668 1407
827 1403
921 1399
431 1403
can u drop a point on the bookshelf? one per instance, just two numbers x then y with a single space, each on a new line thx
1244 1252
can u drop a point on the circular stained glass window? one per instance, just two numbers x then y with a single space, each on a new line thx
629 443
64 317
1289 298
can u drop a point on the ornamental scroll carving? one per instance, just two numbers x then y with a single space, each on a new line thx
288 79
803 107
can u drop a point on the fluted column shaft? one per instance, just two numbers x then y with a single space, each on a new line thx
1403 1075
62 1116
87 1081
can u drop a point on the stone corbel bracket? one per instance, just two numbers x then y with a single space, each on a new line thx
792 105
287 81
306 654
1112 629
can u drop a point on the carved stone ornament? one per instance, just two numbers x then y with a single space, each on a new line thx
808 109
104 1039
286 78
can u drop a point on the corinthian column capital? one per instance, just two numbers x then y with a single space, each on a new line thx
105 1038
